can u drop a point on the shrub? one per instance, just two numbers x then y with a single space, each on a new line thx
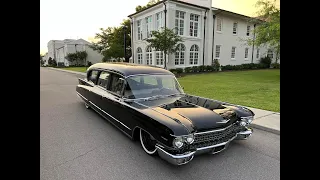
89 63
265 61
227 67
216 65
209 68
195 69
275 65
60 64
179 70
187 69
201 68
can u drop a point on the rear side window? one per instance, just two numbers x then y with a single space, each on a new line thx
116 84
103 79
92 76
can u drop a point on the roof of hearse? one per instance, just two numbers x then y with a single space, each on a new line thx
128 69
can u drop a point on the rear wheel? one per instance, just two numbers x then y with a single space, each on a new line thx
148 143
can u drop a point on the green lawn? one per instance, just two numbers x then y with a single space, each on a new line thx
79 69
255 88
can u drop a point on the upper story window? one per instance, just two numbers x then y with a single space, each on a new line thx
233 52
179 22
159 18
219 24
148 26
139 30
139 55
235 28
194 23
248 30
149 55
246 52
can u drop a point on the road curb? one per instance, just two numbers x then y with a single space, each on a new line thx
274 131
73 72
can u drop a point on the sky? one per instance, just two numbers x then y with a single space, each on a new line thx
74 19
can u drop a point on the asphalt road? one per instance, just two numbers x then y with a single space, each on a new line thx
76 143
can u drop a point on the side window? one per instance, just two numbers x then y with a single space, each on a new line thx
103 79
92 76
116 84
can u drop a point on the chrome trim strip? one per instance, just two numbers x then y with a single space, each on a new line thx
110 115
217 130
82 96
176 156
216 145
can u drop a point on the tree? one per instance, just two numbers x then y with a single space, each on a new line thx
79 55
164 40
150 3
267 31
111 42
41 60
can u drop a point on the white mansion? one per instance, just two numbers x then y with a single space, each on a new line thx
208 33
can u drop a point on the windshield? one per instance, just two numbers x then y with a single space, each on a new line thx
146 86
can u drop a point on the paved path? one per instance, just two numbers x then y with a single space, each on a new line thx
264 120
78 144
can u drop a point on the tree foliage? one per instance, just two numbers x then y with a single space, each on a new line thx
267 31
150 3
77 56
164 40
111 41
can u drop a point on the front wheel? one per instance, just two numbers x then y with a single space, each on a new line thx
148 143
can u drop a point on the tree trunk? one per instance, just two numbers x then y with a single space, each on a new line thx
165 60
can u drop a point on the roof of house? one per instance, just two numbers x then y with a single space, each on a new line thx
128 69
182 2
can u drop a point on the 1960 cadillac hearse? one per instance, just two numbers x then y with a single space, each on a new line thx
148 104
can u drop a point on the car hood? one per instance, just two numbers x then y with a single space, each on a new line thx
194 118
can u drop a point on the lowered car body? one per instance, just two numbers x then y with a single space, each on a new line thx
148 104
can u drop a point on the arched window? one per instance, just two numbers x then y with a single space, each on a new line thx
194 54
179 56
149 55
159 58
139 55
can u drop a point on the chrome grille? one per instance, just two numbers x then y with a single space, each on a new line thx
216 137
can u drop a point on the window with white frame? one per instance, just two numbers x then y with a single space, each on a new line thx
148 26
179 55
159 20
235 28
159 58
258 53
179 22
218 49
194 55
270 54
246 52
219 24
194 25
139 55
139 30
149 55
233 52
248 30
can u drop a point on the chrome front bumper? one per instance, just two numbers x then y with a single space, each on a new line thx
181 159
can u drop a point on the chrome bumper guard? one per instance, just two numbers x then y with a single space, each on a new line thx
180 159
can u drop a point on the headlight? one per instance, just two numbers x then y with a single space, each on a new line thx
248 119
178 142
190 138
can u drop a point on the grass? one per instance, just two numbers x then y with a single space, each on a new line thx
255 88
78 69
